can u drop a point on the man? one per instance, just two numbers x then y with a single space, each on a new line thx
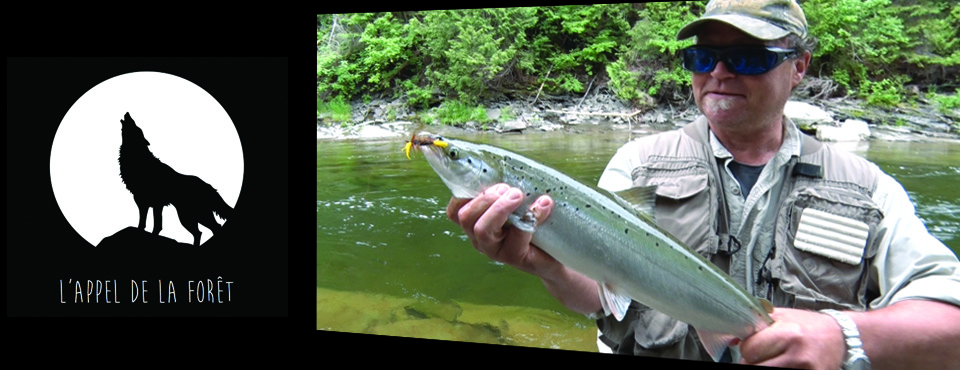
829 238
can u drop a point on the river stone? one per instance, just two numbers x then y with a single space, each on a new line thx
857 126
850 130
493 114
515 125
549 126
805 114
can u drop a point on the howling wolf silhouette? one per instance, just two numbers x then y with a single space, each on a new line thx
155 184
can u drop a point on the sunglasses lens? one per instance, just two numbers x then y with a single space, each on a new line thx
699 60
752 61
739 60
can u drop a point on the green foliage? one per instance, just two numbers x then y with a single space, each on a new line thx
472 49
365 55
946 103
932 27
584 39
570 83
386 44
337 109
507 114
869 47
857 40
842 78
454 112
625 83
883 93
648 64
418 97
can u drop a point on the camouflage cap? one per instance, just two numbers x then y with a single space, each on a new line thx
763 19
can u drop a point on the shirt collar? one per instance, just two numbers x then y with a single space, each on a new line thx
790 146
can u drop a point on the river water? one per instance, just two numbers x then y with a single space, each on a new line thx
390 262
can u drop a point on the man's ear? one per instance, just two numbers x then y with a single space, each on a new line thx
801 64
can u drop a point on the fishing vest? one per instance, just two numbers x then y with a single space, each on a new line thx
822 186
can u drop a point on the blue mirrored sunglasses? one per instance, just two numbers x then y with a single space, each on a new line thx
743 60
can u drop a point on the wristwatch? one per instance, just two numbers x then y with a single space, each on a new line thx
856 358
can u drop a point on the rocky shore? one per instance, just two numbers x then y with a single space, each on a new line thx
836 119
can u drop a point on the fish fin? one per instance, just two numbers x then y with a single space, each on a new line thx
613 302
715 343
526 222
640 199
766 305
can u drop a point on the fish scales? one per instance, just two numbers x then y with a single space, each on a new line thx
594 254
626 253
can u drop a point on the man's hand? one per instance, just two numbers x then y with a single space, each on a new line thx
797 339
910 334
483 219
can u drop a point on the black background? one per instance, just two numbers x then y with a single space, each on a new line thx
43 249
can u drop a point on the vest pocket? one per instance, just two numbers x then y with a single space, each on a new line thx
825 242
684 206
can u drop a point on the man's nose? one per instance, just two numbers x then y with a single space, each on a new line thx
721 72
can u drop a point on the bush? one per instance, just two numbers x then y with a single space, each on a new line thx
453 112
648 64
583 40
932 56
470 50
365 55
337 108
946 103
872 47
884 93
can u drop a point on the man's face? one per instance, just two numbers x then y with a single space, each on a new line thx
741 103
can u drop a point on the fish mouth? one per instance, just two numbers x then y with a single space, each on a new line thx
417 141
430 150
461 169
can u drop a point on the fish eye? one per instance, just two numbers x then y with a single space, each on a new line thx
454 154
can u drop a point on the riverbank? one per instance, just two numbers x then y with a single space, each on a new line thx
380 119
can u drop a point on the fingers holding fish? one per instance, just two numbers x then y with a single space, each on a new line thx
453 208
467 212
797 338
488 230
517 251
542 207
484 218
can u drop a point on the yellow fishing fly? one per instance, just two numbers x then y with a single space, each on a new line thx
416 141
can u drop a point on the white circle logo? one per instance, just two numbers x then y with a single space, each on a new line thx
139 142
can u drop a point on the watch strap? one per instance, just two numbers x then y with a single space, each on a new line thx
856 358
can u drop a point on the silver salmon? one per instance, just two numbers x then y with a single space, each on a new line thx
610 239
